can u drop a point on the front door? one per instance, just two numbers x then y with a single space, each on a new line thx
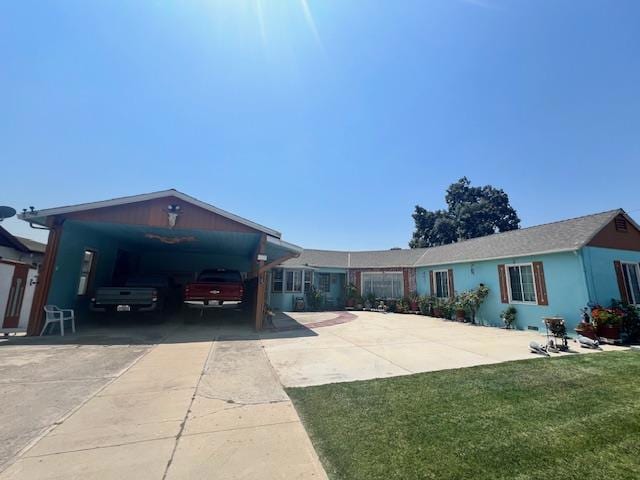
16 294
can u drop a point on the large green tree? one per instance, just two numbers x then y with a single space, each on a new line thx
471 212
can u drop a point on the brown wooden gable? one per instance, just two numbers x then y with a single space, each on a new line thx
620 234
153 213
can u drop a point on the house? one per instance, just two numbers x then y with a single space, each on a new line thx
547 270
20 259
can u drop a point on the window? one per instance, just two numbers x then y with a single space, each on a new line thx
324 282
441 278
383 284
308 280
277 281
293 280
86 271
521 284
631 275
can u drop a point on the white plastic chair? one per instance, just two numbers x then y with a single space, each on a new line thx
53 314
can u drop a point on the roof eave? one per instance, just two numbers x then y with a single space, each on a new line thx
502 257
41 217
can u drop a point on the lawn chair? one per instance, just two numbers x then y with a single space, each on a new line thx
53 314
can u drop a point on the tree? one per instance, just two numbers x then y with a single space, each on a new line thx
471 212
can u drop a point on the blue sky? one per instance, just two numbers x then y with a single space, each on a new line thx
327 120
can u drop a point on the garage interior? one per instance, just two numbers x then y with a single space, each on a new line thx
166 234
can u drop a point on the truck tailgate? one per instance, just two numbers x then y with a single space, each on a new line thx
125 295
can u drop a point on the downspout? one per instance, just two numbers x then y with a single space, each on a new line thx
586 276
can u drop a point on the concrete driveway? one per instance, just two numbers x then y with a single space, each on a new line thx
369 345
206 400
202 403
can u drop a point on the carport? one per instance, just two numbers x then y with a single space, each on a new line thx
168 232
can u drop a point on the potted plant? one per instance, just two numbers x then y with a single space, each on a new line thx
414 301
509 316
370 301
446 308
315 299
460 307
426 305
608 322
437 308
472 299
630 327
401 305
351 294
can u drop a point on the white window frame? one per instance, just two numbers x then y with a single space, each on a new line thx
508 279
273 281
294 272
303 279
630 295
307 281
435 283
362 282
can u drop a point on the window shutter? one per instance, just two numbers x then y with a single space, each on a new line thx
541 286
431 283
502 277
624 297
451 287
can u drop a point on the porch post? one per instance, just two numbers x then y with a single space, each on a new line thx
44 280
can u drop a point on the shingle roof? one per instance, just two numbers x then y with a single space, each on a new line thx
565 235
32 245
20 243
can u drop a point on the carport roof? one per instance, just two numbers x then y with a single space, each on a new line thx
41 216
561 236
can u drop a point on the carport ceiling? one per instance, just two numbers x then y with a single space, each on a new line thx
156 239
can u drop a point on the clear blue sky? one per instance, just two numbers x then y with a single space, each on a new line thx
327 120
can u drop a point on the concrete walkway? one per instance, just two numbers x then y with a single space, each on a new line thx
188 408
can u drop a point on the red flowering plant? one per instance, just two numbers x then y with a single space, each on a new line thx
607 316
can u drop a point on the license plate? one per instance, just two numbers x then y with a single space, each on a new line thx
123 308
215 292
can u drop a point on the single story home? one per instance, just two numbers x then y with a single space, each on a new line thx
20 259
553 269
546 270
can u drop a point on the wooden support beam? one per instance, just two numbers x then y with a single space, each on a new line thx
268 266
45 277
260 283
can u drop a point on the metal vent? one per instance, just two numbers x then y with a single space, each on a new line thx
621 224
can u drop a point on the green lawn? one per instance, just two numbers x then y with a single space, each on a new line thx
573 417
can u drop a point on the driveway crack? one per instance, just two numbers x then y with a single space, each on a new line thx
186 415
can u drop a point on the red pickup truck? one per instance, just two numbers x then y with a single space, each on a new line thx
215 287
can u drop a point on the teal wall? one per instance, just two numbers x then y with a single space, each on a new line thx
600 273
74 241
566 288
283 301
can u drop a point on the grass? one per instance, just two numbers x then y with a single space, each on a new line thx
573 417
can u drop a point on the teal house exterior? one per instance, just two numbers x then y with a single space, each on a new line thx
554 269
548 270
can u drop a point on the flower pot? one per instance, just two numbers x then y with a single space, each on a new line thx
611 332
437 312
414 306
460 315
351 302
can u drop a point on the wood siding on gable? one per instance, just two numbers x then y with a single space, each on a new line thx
153 213
610 237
